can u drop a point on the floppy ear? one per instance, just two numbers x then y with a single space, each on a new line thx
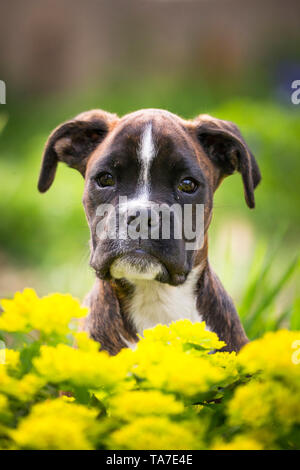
223 143
73 143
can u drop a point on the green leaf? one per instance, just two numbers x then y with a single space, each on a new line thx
27 354
295 315
251 322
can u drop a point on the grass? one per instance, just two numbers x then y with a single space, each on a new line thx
266 298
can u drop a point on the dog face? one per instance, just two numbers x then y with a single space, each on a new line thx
134 167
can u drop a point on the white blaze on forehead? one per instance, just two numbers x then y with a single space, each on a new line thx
146 153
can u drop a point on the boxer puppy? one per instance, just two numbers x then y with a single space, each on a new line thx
133 167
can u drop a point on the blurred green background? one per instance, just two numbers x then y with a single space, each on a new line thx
234 61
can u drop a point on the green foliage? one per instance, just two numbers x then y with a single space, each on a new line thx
258 307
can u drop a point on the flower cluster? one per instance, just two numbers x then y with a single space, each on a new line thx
49 315
176 390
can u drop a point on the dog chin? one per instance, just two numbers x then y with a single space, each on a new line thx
137 267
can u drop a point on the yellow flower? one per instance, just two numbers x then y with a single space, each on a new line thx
226 361
184 332
248 405
23 389
265 404
51 314
6 382
238 443
169 368
187 375
84 343
54 313
154 433
12 358
272 354
144 391
28 386
57 424
131 404
78 367
17 311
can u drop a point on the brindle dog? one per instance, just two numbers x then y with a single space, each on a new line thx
152 156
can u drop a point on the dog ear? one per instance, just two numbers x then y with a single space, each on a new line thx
73 142
223 143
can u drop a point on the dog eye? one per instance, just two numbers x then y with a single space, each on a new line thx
187 185
104 180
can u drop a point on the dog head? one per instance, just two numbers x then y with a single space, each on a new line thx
136 166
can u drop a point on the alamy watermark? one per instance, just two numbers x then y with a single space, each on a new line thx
134 219
295 96
2 92
2 352
296 353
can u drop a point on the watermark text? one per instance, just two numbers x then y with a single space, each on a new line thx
2 92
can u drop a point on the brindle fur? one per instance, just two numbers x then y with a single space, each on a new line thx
219 149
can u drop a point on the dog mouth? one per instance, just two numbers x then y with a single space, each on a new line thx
138 265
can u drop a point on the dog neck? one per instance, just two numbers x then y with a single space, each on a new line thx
152 303
121 310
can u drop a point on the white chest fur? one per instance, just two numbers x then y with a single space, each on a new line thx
155 303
